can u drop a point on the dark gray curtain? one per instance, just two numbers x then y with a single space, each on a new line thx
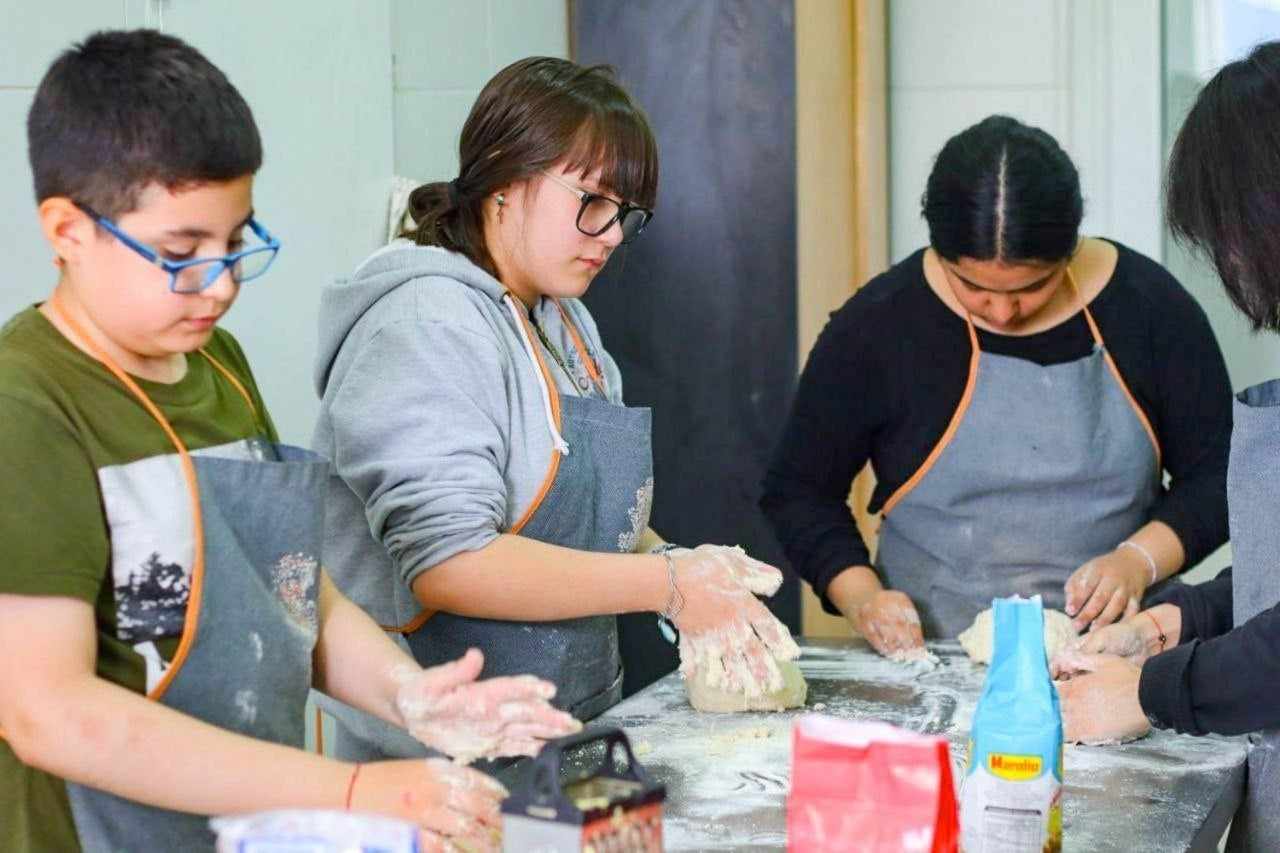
700 311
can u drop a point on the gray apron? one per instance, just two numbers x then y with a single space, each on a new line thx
598 501
588 509
1253 493
248 640
1042 469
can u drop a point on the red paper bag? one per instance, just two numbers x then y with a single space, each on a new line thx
869 786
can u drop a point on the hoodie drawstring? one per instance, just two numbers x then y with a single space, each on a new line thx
556 438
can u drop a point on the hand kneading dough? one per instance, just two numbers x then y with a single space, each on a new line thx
978 639
792 695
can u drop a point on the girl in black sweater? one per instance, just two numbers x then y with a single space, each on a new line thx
1208 658
1020 393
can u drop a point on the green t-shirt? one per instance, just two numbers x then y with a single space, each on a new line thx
76 524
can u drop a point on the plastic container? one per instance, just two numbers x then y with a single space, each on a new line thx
303 831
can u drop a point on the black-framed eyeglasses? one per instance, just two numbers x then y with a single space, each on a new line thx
198 274
599 212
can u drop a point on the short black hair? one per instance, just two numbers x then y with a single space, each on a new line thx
1003 190
127 108
1222 190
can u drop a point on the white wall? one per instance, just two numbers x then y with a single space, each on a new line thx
1086 71
30 37
318 78
1200 37
346 94
445 51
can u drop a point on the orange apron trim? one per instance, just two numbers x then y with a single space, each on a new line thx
1124 386
965 398
192 618
952 427
593 369
412 625
235 383
552 469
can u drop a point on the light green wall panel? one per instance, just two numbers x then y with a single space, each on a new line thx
29 273
318 77
32 34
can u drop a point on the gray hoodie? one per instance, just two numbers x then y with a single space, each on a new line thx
434 414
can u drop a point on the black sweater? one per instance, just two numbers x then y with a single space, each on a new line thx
1217 680
888 371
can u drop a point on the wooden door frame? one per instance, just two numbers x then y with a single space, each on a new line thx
842 170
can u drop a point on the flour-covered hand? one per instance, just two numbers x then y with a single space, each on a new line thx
1107 588
888 620
454 808
1100 699
727 637
448 709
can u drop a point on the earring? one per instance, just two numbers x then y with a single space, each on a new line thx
500 199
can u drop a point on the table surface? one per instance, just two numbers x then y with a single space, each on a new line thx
727 774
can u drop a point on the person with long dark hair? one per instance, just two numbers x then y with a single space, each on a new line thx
1207 658
491 489
1020 392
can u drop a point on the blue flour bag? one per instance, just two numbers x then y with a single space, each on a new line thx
1011 799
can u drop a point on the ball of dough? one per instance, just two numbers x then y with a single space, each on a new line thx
794 691
978 640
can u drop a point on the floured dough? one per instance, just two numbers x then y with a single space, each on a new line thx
979 638
714 700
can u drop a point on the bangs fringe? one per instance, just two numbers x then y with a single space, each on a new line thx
620 146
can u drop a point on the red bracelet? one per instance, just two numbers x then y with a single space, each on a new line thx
1159 631
351 785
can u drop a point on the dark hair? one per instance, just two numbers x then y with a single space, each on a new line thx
532 114
1001 190
127 108
1222 191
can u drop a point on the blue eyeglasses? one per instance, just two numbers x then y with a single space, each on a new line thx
197 274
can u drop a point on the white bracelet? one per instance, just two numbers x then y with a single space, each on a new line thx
1151 561
675 602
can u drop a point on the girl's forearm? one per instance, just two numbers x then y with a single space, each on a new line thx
518 579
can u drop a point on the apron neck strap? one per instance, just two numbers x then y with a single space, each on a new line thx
593 368
189 477
100 355
546 384
231 377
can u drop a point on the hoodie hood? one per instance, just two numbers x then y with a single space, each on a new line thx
343 304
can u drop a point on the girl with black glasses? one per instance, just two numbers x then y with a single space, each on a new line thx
492 490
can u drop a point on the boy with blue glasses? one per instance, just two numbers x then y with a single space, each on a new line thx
163 610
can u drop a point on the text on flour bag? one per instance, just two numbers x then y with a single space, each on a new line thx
1011 800
869 786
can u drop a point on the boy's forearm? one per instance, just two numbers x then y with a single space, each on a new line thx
106 737
354 658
